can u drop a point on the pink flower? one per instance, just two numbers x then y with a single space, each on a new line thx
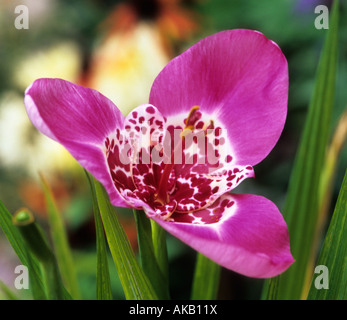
215 111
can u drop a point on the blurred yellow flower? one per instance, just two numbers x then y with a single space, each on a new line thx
62 60
20 145
124 66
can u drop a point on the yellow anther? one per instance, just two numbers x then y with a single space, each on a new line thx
189 122
186 131
208 126
190 114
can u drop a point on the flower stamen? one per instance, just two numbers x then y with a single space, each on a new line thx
162 196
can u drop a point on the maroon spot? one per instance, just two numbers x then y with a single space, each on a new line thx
231 203
141 119
215 204
218 132
134 114
183 192
203 213
228 158
151 120
186 202
197 181
171 129
199 125
239 178
150 110
120 178
218 210
232 177
182 217
215 189
148 179
200 196
141 168
224 203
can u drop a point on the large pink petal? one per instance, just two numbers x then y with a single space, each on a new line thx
237 76
244 233
80 119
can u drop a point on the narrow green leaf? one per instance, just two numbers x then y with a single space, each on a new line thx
60 241
160 250
103 281
302 203
37 286
206 279
334 254
15 239
148 259
270 289
8 293
134 282
37 243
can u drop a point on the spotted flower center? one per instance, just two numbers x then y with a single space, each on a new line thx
181 164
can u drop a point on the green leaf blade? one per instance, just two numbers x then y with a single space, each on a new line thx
206 279
334 253
302 203
160 250
8 293
134 282
103 281
36 241
19 246
148 258
60 242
